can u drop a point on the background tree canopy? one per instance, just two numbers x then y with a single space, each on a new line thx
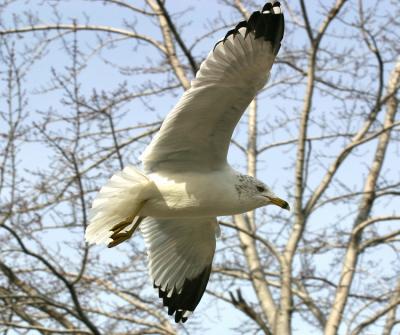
84 87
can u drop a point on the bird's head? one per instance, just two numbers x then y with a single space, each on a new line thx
259 193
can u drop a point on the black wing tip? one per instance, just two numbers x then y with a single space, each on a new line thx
265 23
188 298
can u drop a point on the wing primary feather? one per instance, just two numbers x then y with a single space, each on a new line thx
241 24
188 298
268 23
267 7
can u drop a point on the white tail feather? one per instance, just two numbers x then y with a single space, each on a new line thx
117 200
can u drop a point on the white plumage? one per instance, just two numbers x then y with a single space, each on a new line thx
113 203
197 132
187 181
174 257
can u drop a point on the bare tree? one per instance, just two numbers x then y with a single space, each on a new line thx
84 87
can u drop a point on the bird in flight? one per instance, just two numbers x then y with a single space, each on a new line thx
186 181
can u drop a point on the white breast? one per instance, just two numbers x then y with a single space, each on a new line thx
193 195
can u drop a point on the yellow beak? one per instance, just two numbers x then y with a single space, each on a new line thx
281 203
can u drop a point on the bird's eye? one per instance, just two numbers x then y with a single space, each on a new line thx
260 188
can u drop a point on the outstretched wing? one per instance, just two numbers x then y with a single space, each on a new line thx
196 133
180 252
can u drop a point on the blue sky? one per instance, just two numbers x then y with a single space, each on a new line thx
274 166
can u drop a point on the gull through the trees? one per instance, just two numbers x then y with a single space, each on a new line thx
186 181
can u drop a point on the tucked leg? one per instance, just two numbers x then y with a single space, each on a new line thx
120 234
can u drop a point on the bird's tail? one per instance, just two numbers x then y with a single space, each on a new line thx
114 212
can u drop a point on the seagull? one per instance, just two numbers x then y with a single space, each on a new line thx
186 182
